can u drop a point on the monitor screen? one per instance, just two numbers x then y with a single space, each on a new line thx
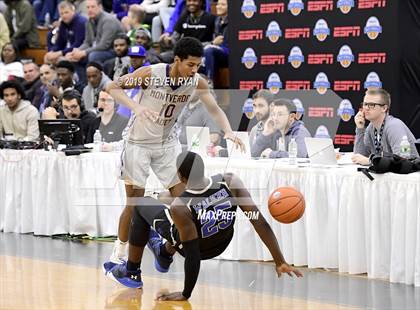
64 131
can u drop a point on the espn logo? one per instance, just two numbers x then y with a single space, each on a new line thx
371 58
296 85
249 35
344 139
346 85
270 8
317 6
345 32
296 33
370 4
251 85
272 60
320 59
318 112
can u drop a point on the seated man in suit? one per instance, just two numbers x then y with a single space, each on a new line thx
383 134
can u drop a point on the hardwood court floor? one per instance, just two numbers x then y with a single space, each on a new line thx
42 273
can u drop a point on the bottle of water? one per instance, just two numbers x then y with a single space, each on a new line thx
97 140
293 150
405 148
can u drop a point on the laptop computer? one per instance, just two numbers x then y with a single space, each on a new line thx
198 139
236 152
321 151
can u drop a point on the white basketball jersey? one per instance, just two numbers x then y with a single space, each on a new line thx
160 96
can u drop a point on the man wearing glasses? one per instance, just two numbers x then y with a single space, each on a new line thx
110 124
383 134
73 108
279 129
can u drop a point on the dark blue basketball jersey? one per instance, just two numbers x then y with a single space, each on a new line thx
213 211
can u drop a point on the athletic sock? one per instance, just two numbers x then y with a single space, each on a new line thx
132 266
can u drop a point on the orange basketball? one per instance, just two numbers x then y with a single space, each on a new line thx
286 205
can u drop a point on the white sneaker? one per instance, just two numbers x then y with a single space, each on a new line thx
118 255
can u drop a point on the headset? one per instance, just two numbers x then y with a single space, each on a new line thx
75 95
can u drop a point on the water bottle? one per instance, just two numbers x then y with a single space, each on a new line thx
97 140
292 151
405 148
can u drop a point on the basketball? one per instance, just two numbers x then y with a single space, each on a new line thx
286 205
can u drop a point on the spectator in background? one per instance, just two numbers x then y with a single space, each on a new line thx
176 13
71 32
195 114
120 7
118 66
384 132
138 58
216 55
73 108
20 17
49 81
134 20
144 38
97 80
261 103
163 10
32 83
65 81
109 123
45 11
4 31
279 129
18 118
101 30
10 66
152 7
194 23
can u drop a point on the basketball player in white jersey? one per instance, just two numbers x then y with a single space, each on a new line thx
152 142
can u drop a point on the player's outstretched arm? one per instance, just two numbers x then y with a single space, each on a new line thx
139 78
217 113
260 225
190 245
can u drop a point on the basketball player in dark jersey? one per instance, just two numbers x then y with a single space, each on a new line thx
199 225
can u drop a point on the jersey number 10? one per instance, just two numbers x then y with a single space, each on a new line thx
167 111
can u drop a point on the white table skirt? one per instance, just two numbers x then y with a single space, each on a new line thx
350 223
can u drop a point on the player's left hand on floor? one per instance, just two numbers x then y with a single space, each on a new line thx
166 296
285 268
238 142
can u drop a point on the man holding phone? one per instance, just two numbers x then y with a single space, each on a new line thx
383 134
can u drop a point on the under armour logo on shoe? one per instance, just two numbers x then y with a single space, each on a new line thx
133 277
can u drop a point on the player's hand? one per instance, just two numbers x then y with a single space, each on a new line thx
238 142
285 268
176 296
360 159
145 113
359 119
266 153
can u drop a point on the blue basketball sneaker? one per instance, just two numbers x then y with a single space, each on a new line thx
107 266
120 274
162 263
